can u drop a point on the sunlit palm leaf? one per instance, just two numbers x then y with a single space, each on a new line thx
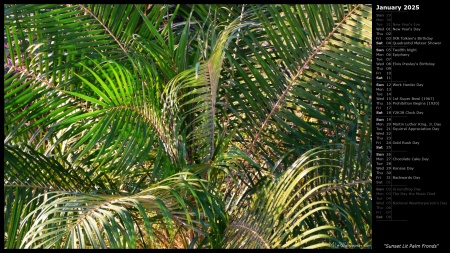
27 174
72 220
310 205
194 92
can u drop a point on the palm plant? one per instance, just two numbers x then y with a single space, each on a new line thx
187 126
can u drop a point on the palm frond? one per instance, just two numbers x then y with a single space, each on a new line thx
76 220
49 39
28 174
312 204
194 92
292 80
187 126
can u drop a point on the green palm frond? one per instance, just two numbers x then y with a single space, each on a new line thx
310 79
312 204
194 92
77 220
187 126
28 174
49 39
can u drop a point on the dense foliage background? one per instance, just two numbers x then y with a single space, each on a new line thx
187 126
